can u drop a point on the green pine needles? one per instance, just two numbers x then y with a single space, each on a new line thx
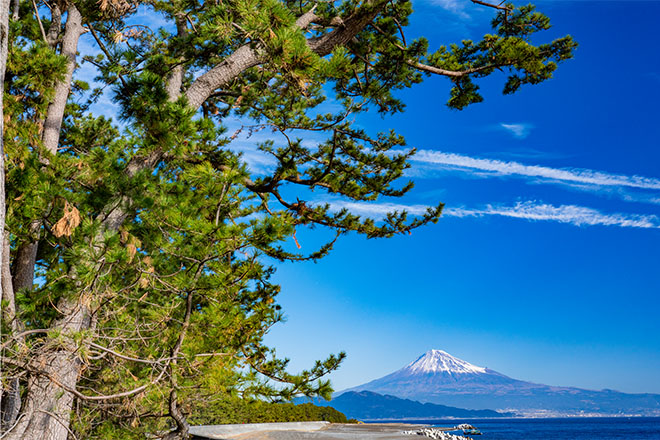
138 289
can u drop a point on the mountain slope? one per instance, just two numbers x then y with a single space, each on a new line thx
438 377
366 405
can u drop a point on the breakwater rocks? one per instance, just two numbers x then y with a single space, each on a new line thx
435 433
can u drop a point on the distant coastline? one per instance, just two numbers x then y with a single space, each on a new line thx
438 420
437 377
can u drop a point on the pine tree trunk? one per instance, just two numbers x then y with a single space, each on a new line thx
47 405
26 255
4 40
46 411
23 266
53 124
9 397
11 394
15 4
48 402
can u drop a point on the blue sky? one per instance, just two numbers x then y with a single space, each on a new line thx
546 264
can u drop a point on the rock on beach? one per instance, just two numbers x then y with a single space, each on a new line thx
435 433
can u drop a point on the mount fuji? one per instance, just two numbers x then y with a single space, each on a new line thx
440 378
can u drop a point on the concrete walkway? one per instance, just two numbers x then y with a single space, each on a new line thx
231 431
305 431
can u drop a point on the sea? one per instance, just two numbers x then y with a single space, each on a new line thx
587 428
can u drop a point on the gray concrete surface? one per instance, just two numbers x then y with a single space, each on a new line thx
231 431
306 431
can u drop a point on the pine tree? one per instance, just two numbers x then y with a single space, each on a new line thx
4 45
141 255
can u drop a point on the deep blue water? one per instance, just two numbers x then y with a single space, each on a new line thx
616 428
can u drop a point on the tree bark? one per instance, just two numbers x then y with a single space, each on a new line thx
242 59
175 80
23 266
9 311
47 408
53 124
248 55
11 396
55 27
4 41
26 255
15 4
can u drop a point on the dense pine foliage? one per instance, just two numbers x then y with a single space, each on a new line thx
245 411
137 273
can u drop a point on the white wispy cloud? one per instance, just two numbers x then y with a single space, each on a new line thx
530 210
571 214
258 162
510 168
455 6
528 153
147 14
519 131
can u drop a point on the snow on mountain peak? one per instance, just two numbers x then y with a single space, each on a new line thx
438 361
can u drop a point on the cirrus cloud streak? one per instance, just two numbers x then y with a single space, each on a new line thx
510 168
571 214
529 210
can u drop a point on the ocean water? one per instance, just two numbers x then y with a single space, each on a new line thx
600 428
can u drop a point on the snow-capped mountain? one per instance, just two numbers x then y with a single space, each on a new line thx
438 377
436 361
